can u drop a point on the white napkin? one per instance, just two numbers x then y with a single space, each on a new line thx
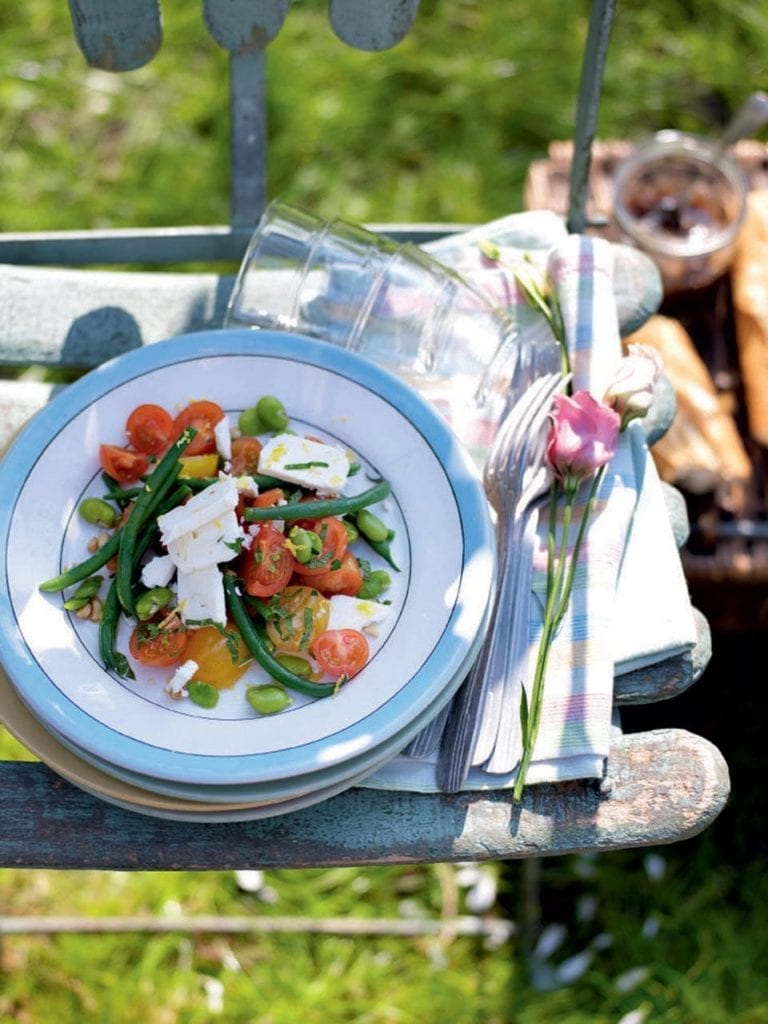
639 611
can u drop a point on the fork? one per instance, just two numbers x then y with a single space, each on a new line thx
503 481
504 725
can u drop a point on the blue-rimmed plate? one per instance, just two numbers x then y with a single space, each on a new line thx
444 543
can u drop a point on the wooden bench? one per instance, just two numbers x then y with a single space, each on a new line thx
662 786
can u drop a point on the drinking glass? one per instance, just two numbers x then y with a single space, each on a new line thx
390 302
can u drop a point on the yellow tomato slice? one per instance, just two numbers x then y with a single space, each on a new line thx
221 659
198 465
300 615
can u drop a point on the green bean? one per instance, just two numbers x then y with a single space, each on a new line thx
268 698
262 480
384 548
258 649
122 495
322 507
110 615
160 481
97 512
249 422
84 569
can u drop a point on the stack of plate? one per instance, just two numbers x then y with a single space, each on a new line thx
127 741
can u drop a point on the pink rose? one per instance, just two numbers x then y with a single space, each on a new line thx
583 436
630 392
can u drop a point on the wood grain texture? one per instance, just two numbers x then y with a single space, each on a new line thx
662 786
117 36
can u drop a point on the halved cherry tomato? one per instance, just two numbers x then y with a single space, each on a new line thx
159 643
267 565
203 416
245 456
150 429
269 498
347 579
341 652
122 464
299 614
335 539
221 659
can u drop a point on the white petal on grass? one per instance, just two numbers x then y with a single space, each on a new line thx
631 979
655 866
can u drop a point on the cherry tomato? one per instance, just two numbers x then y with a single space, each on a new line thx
150 429
122 464
340 652
269 498
159 643
334 537
221 659
299 615
267 565
203 416
245 456
347 579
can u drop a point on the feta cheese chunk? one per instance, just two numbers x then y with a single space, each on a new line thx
355 613
207 505
321 467
223 437
200 594
178 681
213 542
158 572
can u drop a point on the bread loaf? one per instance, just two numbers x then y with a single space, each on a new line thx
702 451
750 304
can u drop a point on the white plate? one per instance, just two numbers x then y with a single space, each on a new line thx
444 541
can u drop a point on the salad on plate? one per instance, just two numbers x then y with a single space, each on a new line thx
232 548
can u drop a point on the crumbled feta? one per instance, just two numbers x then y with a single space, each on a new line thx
247 486
312 464
158 572
223 438
213 542
200 595
178 681
355 613
214 501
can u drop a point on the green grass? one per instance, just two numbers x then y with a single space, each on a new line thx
443 127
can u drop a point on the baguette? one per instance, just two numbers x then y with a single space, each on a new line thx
702 451
750 304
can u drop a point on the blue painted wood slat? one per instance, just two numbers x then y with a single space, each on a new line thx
117 36
244 26
372 24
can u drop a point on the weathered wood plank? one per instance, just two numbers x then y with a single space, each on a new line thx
663 786
117 36
248 117
244 26
79 318
372 24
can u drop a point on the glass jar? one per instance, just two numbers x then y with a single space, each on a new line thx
683 203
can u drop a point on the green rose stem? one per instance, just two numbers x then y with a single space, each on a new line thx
559 586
